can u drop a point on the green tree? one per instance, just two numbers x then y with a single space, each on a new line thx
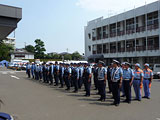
76 56
5 50
39 49
67 57
30 48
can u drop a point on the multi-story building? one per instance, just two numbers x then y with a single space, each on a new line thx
131 36
10 41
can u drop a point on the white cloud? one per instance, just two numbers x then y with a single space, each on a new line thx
111 5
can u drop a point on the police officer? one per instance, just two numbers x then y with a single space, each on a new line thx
67 75
102 77
50 72
61 72
44 72
56 73
95 76
109 69
80 81
138 81
122 88
116 78
40 72
28 70
148 77
87 75
75 77
32 70
128 76
37 71
47 73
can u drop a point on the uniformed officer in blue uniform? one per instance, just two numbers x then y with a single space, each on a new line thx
32 70
95 76
138 82
56 73
80 81
128 76
109 69
28 70
122 88
67 76
51 73
148 77
102 77
61 72
116 77
87 75
75 74
44 72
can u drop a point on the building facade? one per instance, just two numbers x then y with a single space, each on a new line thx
10 41
21 54
131 36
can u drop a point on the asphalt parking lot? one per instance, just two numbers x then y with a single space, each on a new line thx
27 99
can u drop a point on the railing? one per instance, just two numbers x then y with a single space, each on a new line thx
105 51
99 52
113 51
98 37
152 27
130 49
153 47
120 33
140 29
93 38
112 35
121 50
130 31
140 48
94 52
105 36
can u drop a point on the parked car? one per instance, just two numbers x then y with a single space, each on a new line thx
156 71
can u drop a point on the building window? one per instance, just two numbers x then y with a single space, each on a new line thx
89 35
89 48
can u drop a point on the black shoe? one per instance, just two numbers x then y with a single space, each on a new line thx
148 98
129 102
50 83
75 91
67 89
87 95
99 99
61 87
144 97
116 105
139 100
55 85
112 103
103 100
123 96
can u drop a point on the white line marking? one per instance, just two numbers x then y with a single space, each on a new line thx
14 77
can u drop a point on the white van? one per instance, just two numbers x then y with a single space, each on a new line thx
156 71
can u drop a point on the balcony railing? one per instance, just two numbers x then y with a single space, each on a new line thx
112 35
93 38
105 51
121 50
120 33
140 48
113 51
105 36
98 37
130 49
153 47
94 52
140 29
152 27
130 31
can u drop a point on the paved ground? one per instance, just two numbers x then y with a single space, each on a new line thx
30 100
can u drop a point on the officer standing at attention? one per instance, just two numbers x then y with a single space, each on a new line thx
148 77
87 75
47 73
128 76
122 88
116 78
51 74
138 81
61 72
80 81
95 76
44 72
28 70
67 76
102 77
32 70
75 74
109 69
56 73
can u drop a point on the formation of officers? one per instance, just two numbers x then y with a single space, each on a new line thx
120 78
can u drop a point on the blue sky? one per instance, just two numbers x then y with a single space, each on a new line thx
60 23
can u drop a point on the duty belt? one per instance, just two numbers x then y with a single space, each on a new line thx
137 79
126 79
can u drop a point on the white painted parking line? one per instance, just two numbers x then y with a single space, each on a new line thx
14 77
